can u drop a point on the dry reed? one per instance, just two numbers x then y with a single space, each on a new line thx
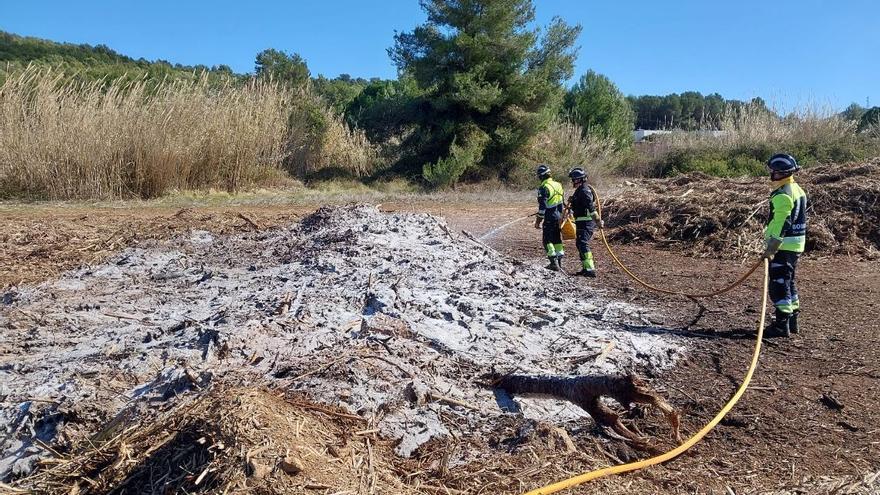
61 140
564 145
752 124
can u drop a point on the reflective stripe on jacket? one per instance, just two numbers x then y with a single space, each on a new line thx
583 205
549 196
788 216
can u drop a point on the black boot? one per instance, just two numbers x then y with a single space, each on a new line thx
793 322
779 328
587 273
554 263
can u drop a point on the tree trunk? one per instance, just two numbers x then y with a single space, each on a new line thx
586 391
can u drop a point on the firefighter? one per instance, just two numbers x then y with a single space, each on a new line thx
785 237
550 195
586 218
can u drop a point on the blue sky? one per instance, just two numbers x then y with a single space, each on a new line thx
791 53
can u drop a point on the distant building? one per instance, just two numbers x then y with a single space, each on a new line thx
642 134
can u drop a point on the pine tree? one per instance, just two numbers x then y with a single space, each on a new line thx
488 83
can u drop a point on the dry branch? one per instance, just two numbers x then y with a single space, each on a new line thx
247 219
587 391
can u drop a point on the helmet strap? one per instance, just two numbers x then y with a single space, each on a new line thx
774 175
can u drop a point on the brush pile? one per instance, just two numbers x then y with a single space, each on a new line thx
708 216
224 441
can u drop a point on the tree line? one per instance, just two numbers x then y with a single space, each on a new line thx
688 111
477 83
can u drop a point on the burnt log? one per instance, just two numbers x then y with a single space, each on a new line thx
586 392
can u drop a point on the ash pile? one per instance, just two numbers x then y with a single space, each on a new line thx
390 316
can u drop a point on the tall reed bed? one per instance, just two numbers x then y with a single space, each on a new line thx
751 125
101 140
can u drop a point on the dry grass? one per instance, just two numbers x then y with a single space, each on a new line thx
753 125
563 145
102 141
749 135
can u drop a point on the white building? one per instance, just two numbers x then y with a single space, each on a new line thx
642 134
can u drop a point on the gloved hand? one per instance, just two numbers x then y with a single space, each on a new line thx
771 247
600 223
538 222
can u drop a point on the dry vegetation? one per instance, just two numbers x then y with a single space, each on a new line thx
114 140
229 440
564 145
748 136
708 216
120 139
751 126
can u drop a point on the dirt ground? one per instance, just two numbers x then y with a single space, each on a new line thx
810 423
782 431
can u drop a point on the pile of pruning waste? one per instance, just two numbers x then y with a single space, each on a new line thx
719 217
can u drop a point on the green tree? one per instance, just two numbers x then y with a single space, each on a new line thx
488 83
670 110
715 104
601 109
446 171
647 111
384 109
224 69
693 109
283 67
338 92
690 110
854 112
870 119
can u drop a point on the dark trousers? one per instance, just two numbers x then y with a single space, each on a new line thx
783 291
585 230
551 234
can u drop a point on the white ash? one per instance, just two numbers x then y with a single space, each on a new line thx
371 303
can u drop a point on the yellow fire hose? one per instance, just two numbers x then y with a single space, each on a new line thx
633 466
624 468
646 285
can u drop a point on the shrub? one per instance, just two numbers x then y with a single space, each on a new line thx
465 152
712 162
320 145
870 120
